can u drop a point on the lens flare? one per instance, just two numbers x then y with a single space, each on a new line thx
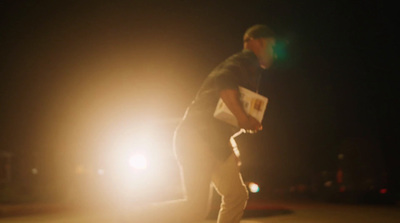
253 187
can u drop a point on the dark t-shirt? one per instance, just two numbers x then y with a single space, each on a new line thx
241 69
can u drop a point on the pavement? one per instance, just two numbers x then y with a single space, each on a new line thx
281 211
7 210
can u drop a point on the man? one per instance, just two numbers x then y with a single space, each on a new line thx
202 142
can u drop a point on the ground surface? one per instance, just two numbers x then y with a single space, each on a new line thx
258 212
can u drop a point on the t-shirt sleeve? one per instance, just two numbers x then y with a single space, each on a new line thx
228 77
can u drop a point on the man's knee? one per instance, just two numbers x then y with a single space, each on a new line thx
238 197
243 196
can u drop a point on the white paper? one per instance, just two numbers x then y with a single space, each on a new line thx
253 104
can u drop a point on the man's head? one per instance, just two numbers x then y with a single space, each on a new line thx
260 39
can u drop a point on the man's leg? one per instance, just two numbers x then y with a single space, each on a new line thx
193 208
198 191
196 178
229 184
196 165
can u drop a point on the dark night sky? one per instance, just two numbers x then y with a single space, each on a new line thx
72 69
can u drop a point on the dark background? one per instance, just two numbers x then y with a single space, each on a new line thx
73 70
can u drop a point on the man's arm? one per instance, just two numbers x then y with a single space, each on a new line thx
231 99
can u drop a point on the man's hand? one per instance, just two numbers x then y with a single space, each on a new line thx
246 122
250 124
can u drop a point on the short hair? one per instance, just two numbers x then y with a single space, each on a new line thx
259 31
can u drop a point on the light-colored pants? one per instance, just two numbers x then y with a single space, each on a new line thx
200 171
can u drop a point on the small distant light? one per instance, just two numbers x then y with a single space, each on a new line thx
328 184
342 189
35 171
138 162
383 191
253 187
341 156
100 172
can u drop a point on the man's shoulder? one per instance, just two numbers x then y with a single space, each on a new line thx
243 57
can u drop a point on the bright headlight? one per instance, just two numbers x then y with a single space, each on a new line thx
138 162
